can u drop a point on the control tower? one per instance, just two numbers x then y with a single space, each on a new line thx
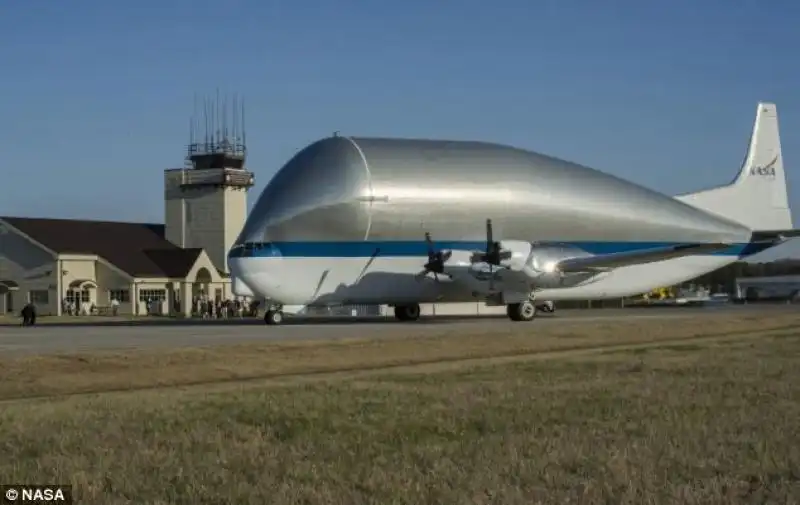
205 203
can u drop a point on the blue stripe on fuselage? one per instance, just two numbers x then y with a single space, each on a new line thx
404 248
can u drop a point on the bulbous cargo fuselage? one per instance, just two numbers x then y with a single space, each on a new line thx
344 220
350 189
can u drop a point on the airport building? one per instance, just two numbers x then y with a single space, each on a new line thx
776 287
139 268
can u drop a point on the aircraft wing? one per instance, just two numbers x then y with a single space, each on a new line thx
615 260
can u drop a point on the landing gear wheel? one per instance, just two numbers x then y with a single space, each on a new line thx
273 317
407 312
548 307
524 311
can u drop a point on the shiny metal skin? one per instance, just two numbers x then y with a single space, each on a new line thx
352 189
537 264
542 259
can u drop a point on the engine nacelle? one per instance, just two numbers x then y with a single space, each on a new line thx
520 252
541 263
538 263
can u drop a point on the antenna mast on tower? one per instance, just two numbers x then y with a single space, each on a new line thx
223 145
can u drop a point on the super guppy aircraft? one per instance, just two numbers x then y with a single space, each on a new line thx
402 222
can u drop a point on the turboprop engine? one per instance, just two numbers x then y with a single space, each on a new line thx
540 263
519 253
537 262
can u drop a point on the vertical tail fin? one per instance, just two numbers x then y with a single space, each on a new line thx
758 197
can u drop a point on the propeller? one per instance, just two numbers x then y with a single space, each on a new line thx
436 260
493 254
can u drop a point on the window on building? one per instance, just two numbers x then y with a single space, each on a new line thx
120 295
152 294
78 296
40 297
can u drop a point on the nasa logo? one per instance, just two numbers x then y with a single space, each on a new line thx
767 171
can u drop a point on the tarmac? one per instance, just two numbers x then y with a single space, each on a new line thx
92 336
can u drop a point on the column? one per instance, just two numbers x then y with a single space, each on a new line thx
59 289
186 299
171 299
134 297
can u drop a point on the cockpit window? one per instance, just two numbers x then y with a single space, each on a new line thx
250 249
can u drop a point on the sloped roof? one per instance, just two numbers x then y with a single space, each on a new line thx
138 249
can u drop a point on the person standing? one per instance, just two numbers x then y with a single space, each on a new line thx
26 314
29 314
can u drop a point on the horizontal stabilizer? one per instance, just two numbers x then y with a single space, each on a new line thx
615 260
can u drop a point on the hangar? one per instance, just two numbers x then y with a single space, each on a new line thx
779 286
146 268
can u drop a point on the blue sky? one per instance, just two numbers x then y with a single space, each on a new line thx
96 97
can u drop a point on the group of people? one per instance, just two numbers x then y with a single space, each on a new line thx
202 306
208 308
72 308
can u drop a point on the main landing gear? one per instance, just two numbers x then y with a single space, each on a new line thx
548 307
407 312
523 311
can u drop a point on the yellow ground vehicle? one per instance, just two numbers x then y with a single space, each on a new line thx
659 294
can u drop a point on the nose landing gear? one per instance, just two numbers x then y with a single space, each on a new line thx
273 317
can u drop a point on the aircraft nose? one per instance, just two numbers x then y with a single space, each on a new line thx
240 288
269 275
259 276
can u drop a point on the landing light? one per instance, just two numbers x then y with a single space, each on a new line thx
550 267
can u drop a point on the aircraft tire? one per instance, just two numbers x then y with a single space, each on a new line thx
548 307
524 311
407 312
273 317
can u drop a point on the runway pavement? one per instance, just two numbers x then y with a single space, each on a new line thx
59 338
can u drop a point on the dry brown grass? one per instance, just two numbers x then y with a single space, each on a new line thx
645 417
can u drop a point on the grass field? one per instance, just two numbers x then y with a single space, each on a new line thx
684 411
